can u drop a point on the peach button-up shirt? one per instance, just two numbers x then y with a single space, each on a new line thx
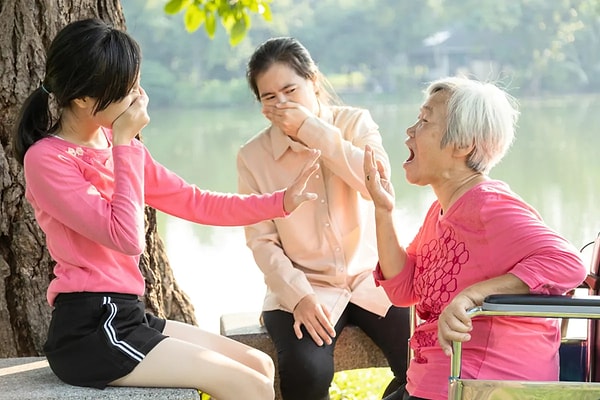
327 246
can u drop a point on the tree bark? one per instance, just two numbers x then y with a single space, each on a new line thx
28 27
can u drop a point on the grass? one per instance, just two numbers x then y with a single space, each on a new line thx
358 384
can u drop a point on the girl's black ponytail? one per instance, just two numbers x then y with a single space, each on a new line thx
34 122
108 55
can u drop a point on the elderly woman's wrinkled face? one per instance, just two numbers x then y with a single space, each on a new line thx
427 162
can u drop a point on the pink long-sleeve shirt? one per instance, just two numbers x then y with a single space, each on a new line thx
488 232
90 204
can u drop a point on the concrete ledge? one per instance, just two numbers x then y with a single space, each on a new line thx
353 350
32 378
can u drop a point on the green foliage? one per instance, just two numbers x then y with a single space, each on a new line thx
234 15
213 93
352 82
368 47
360 384
548 46
158 80
204 396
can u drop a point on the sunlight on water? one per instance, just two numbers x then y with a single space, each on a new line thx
219 274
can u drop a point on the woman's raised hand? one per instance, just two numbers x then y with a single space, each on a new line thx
379 186
295 193
288 116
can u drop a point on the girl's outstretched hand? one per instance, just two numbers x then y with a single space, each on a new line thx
379 186
295 194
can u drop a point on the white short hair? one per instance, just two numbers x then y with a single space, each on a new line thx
479 114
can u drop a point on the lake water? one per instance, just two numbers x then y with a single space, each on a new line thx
553 165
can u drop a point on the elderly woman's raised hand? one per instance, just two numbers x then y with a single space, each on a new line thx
376 180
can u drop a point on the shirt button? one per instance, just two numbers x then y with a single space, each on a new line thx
317 176
323 201
327 224
337 249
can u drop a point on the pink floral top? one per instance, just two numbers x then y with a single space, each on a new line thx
488 232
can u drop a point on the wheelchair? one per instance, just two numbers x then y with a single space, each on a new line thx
543 306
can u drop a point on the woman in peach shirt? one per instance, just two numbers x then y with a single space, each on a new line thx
318 262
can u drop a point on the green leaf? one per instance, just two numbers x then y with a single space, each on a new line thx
234 15
194 17
228 21
234 40
175 6
266 12
211 24
212 6
224 8
238 32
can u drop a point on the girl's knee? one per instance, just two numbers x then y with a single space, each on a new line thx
267 390
266 366
253 388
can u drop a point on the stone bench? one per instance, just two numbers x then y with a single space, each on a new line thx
353 350
32 378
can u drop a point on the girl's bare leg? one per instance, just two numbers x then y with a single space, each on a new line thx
194 358
237 351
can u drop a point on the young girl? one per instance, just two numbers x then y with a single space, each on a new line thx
88 179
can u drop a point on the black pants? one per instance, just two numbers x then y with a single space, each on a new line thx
306 370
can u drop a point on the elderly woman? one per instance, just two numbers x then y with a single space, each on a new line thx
478 238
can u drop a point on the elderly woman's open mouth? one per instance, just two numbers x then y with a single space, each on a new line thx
411 156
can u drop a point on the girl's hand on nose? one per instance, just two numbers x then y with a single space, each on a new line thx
127 125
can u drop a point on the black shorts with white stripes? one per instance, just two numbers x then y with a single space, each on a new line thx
96 338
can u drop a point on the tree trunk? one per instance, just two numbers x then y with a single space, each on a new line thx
28 27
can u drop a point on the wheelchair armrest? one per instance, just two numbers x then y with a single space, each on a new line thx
529 305
570 306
